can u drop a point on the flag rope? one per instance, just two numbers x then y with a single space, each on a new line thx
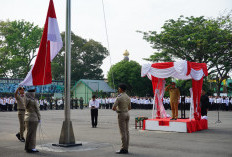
44 71
107 39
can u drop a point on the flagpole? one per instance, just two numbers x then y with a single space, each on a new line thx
67 136
67 64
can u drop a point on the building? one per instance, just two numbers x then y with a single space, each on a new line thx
8 87
86 88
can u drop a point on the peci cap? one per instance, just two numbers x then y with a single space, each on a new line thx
122 86
31 90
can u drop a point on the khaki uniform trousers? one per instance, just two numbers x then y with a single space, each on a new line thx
123 123
31 127
174 107
21 115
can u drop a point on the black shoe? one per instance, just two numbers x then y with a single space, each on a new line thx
32 151
18 136
22 140
122 151
173 119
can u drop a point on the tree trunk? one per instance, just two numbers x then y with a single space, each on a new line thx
218 87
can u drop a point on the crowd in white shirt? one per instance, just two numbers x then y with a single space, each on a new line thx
220 103
215 103
106 103
8 104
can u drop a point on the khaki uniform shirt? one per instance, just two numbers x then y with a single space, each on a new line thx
174 94
32 110
122 102
20 104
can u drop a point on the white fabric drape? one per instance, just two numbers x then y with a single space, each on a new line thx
162 73
196 74
191 110
145 69
179 71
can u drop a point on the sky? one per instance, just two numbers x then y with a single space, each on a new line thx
123 19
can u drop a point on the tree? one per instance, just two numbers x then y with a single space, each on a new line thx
19 41
223 57
86 58
195 39
128 72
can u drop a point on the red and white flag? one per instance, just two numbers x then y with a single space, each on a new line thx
50 45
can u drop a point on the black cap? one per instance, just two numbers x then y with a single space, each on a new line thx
122 86
31 90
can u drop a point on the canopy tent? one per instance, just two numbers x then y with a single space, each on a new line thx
183 70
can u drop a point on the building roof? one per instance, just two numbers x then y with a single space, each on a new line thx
95 85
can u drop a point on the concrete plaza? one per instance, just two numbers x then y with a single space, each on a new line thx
104 140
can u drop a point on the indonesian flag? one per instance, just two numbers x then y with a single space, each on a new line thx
50 45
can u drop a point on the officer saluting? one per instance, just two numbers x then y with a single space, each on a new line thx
32 117
122 105
19 96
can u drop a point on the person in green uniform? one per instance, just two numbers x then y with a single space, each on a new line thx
122 105
32 118
19 96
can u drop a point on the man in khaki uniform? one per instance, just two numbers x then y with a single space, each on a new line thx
32 117
174 99
122 105
19 96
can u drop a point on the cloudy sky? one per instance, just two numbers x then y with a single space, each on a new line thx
123 18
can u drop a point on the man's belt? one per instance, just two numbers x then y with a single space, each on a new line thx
121 111
21 109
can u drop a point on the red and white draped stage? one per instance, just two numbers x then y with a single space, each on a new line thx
183 70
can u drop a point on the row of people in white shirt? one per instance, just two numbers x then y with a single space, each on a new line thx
109 100
220 100
11 100
137 100
5 100
7 104
150 100
166 100
10 103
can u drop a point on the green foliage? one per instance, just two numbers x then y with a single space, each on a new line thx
195 39
129 72
19 41
86 58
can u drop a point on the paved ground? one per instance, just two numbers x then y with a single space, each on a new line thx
104 140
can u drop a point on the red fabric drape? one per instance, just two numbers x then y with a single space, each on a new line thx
163 65
157 83
197 66
197 87
196 84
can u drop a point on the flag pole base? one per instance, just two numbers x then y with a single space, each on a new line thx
67 136
67 145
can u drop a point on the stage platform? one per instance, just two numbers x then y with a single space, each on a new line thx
179 125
